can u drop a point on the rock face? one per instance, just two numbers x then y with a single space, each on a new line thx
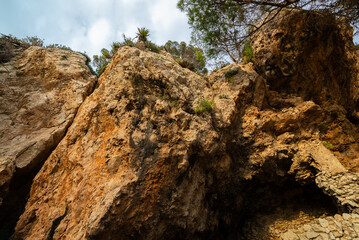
41 90
159 152
312 55
308 53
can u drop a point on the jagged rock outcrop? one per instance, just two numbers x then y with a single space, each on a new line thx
309 53
159 152
312 55
41 90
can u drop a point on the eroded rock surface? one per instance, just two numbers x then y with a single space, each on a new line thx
41 90
149 156
310 54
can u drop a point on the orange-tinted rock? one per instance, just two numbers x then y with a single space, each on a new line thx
41 90
310 54
143 159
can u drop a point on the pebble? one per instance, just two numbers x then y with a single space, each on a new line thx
290 235
312 234
323 222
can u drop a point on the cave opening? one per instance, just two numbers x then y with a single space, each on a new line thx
270 207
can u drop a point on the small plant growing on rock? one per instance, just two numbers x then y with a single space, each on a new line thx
204 106
185 64
328 145
247 53
230 73
223 96
152 47
63 57
164 97
173 103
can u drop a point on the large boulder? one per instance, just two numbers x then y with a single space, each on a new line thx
311 54
150 156
41 90
160 152
133 163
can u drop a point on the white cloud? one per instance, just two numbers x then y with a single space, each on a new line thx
90 25
99 33
168 22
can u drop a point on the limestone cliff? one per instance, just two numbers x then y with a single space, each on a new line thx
159 152
41 90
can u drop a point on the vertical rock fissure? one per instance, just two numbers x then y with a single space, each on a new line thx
19 190
20 185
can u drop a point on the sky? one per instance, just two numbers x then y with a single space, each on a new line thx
90 25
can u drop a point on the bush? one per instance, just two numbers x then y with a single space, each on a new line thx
59 46
247 52
230 73
223 96
6 51
152 47
204 106
185 64
34 41
328 145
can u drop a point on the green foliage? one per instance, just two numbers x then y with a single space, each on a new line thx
101 61
7 46
222 27
223 96
34 41
217 26
88 62
152 47
142 34
328 145
59 46
173 103
204 106
187 56
185 63
127 41
63 57
247 53
230 73
164 97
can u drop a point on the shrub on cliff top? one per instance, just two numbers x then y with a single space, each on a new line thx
188 56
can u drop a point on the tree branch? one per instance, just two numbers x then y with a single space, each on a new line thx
268 3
